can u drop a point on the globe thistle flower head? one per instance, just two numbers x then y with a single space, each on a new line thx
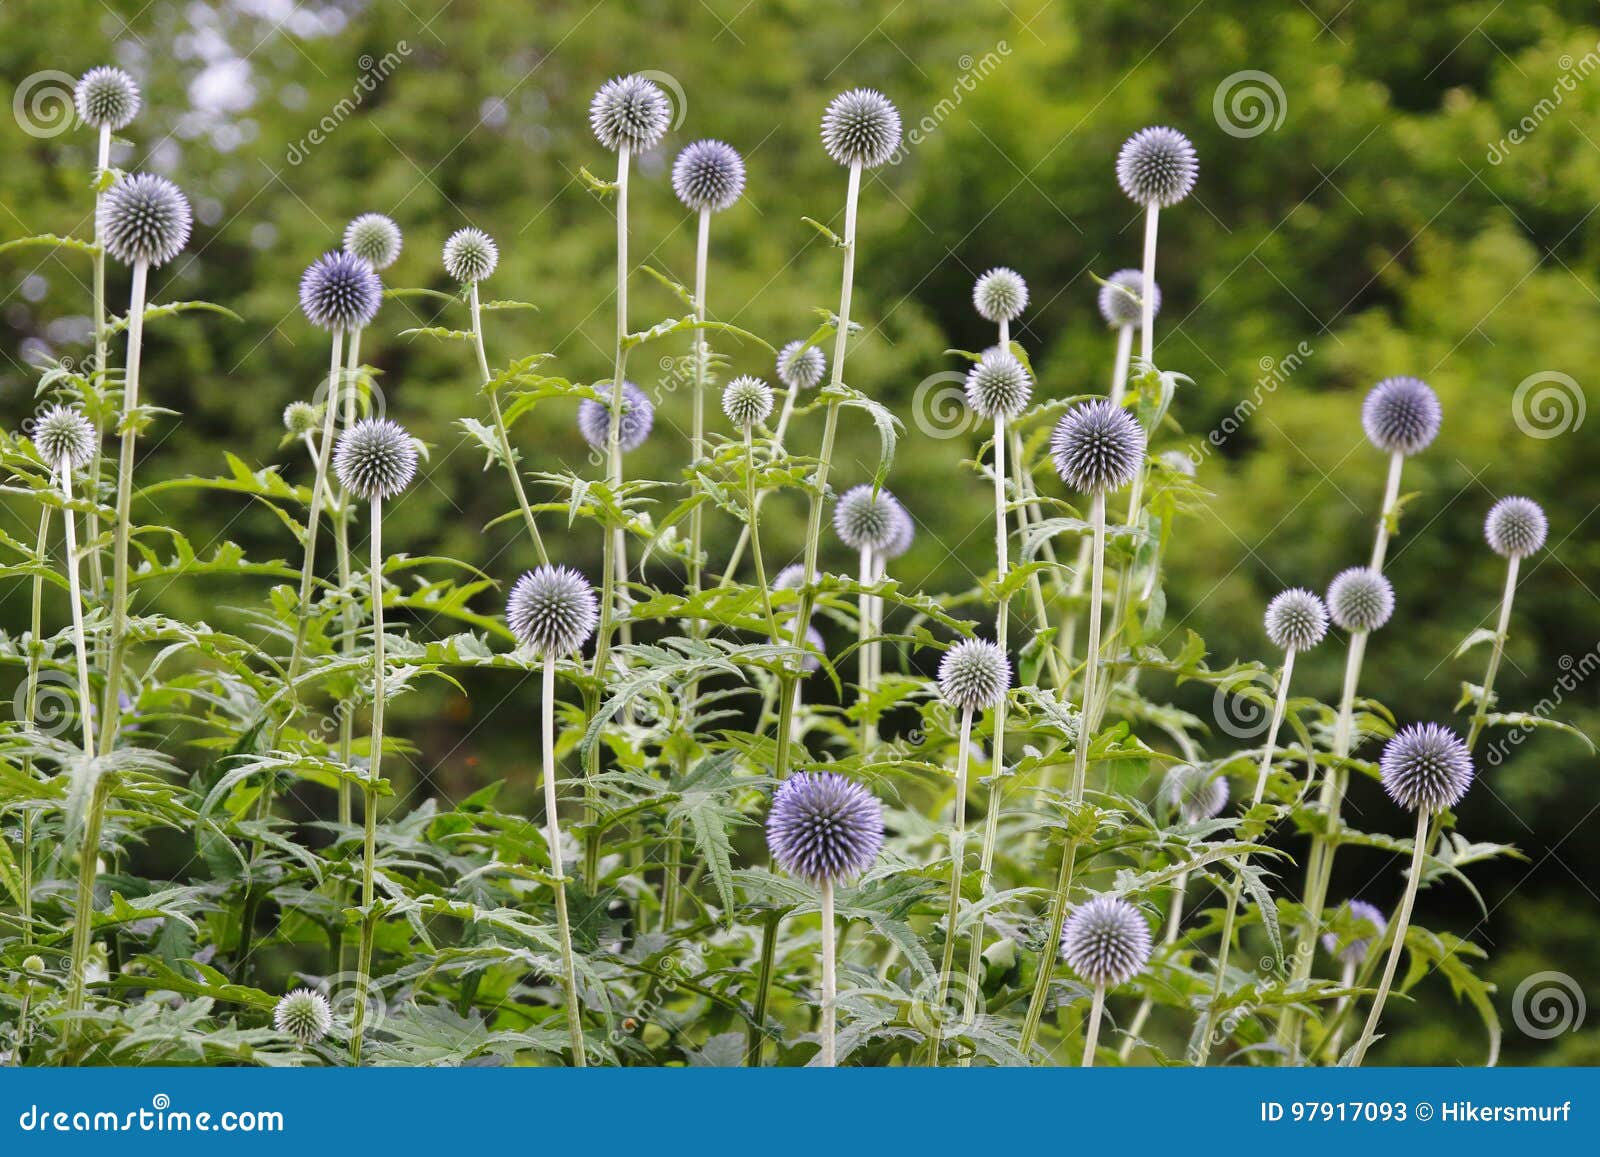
1179 462
638 419
801 366
62 435
1296 620
974 675
864 518
1360 599
1106 941
1426 766
144 219
1122 296
470 255
824 828
861 127
106 98
1401 415
708 175
998 386
552 610
1000 294
789 578
375 458
1195 793
629 112
746 401
1356 951
340 292
1157 166
301 418
374 238
303 1014
1516 527
1097 447
814 642
902 531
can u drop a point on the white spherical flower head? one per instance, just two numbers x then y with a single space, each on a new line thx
1179 462
1426 766
1401 415
1000 294
62 435
1157 166
974 675
470 255
801 366
1516 527
301 418
789 578
864 518
1195 793
998 386
1106 941
638 419
303 1014
375 458
1360 599
1357 950
861 127
1097 447
708 175
1296 620
630 112
552 610
374 238
1122 296
106 98
340 292
144 218
747 401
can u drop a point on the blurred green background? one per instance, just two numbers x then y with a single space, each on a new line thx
1362 211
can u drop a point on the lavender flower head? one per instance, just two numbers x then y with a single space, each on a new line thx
552 610
1426 766
861 127
340 292
470 255
374 238
746 401
62 435
375 458
998 386
1097 447
1360 599
303 1014
1401 415
974 675
1516 527
1000 294
638 418
801 366
864 518
1357 950
144 219
1157 166
824 828
1106 941
708 175
629 112
789 578
1296 620
106 98
902 532
1121 298
1195 793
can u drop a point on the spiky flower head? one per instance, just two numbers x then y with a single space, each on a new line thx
814 642
1296 620
1122 296
902 532
106 98
1000 294
1356 951
1157 166
801 366
144 218
638 419
301 418
1097 446
708 175
789 578
974 675
1426 766
1401 415
374 238
1195 793
823 827
629 112
864 518
1106 941
470 255
375 458
63 435
303 1014
1360 599
340 292
1516 527
746 400
861 127
552 610
998 386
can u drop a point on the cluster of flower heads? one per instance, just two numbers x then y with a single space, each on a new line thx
1098 446
303 1014
861 127
1157 166
1426 766
340 291
1401 415
1360 599
708 176
106 98
747 401
144 220
1000 295
998 386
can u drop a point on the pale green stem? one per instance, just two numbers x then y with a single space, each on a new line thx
29 710
1147 298
83 908
1481 716
697 436
830 978
97 578
1391 499
958 839
863 651
1091 1037
502 433
369 842
753 505
615 563
552 829
1397 946
79 644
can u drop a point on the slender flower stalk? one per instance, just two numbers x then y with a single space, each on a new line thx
870 521
1515 529
748 401
1156 169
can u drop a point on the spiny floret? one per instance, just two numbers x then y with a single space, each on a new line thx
1360 599
106 98
470 255
824 828
374 238
1122 296
340 292
1296 620
1516 527
303 1014
301 418
1000 294
1097 447
1195 793
1426 766
1356 951
144 219
638 418
998 386
861 127
864 518
801 366
1157 166
1106 941
375 458
63 435
708 175
1401 415
746 400
552 610
629 112
974 675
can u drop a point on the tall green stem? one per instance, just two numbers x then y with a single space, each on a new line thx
752 504
1091 1036
1502 630
79 644
97 578
1397 946
501 432
830 978
552 829
615 563
958 840
697 436
369 843
1391 504
30 708
1147 297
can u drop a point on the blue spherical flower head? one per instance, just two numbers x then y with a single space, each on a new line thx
1195 793
638 419
1097 447
1516 527
1157 166
974 675
708 175
1426 766
144 219
801 366
552 610
1000 294
1360 599
1401 415
824 828
861 127
1121 297
106 98
375 459
1357 950
1106 941
1296 620
998 386
630 112
865 519
340 292
902 532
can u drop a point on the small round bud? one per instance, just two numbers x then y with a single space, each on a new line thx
824 828
552 610
864 518
747 401
1357 950
1426 766
470 255
638 418
375 458
374 238
1195 793
107 98
974 675
998 386
1296 620
33 964
304 1015
861 127
1157 166
340 292
1516 527
144 219
1000 294
1106 941
61 434
801 366
1360 599
1098 446
1121 298
301 418
630 113
1401 415
708 175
